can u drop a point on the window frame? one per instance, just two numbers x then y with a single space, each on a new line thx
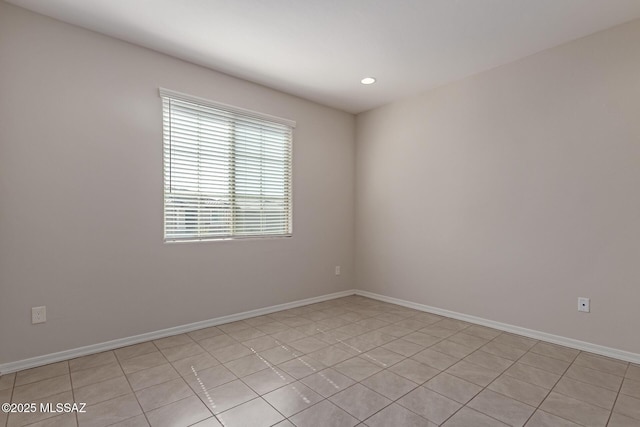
167 94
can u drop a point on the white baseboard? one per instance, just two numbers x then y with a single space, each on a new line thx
19 365
543 336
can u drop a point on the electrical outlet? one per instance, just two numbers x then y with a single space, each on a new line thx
38 314
584 304
337 270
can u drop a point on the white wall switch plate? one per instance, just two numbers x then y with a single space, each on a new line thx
337 270
38 314
584 304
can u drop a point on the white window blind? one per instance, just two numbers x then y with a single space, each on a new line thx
227 171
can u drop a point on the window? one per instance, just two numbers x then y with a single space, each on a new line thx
227 171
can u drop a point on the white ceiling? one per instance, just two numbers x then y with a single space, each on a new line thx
320 49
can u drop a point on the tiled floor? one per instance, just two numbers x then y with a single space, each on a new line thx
345 362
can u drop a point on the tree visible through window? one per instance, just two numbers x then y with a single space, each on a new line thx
227 171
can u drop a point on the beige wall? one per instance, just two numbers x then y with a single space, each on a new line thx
509 194
81 195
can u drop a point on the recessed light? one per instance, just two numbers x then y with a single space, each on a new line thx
368 81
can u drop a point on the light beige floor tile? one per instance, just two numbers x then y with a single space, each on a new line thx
294 322
575 410
482 332
36 391
468 340
5 397
519 390
382 357
545 363
331 336
429 404
292 398
135 350
272 327
597 396
594 377
390 385
503 408
172 341
217 342
96 375
309 330
633 372
227 396
246 334
324 414
544 419
360 401
427 318
200 334
357 345
618 420
628 406
261 343
144 361
152 376
422 339
232 352
258 320
453 324
179 414
63 420
21 419
517 341
631 388
396 415
437 331
504 351
162 394
357 368
137 421
330 356
467 417
403 347
181 351
489 361
105 390
209 422
396 331
209 378
414 371
600 363
301 367
308 345
473 373
453 387
268 380
412 324
256 413
247 365
92 361
186 366
41 373
435 359
328 382
7 381
533 375
288 336
110 412
377 338
280 354
555 351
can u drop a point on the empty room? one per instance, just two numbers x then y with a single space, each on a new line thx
314 213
